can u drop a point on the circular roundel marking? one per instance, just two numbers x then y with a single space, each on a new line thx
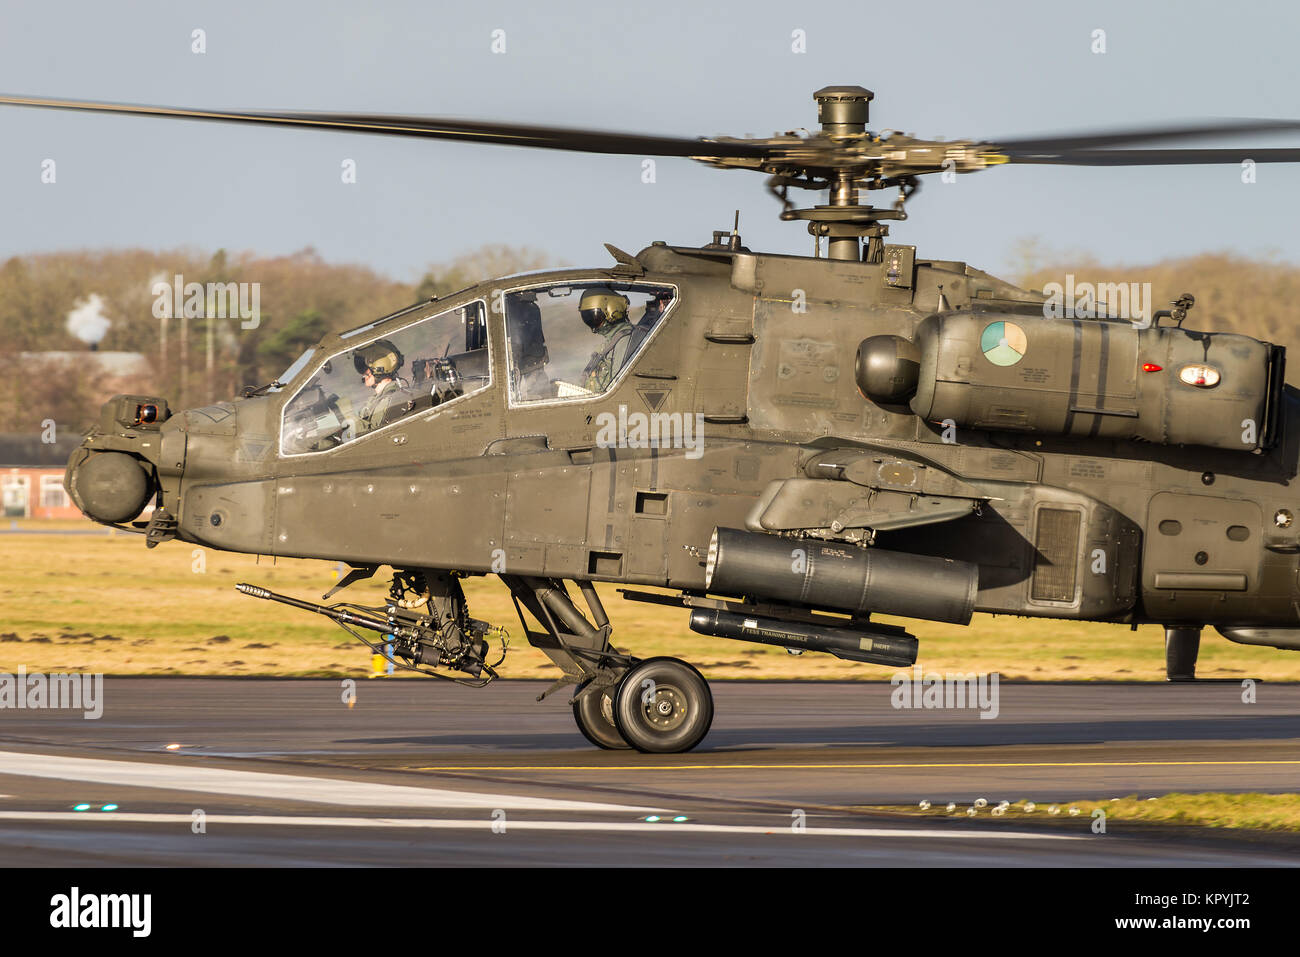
1004 343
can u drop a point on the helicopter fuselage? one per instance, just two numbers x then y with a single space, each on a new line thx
743 410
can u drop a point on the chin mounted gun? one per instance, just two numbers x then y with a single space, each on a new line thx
426 624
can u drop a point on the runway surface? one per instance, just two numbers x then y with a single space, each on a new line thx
282 772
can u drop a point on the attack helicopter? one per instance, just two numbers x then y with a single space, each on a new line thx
781 446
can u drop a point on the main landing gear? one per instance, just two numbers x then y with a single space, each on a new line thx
658 706
663 706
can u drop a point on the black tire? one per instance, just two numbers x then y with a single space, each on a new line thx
678 716
594 714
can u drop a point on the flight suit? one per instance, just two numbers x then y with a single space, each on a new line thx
609 358
388 393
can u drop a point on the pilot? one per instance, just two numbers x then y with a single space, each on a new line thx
605 313
377 364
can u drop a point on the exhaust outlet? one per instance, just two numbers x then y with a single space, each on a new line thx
840 577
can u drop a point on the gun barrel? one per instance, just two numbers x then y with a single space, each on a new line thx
257 591
351 616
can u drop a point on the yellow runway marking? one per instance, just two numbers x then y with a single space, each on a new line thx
844 767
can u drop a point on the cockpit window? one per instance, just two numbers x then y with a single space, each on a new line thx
576 340
372 385
297 366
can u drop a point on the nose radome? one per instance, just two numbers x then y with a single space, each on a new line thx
115 472
112 487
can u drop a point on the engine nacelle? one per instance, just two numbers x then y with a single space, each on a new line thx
1101 378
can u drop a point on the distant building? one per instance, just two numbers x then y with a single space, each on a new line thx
31 471
31 477
115 365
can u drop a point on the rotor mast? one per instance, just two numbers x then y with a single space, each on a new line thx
843 112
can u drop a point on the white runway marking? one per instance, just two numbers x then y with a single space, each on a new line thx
485 824
285 787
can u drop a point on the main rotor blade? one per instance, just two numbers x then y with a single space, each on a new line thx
509 134
1188 157
1057 144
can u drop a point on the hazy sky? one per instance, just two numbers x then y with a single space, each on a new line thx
951 69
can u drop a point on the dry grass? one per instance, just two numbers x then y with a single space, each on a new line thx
1251 812
106 603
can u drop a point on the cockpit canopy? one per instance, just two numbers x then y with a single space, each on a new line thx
575 340
373 384
555 353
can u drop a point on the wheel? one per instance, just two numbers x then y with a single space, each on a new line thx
663 706
594 714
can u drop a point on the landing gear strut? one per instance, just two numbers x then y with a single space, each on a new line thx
660 705
1181 648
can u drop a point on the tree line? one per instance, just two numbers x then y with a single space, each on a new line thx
61 302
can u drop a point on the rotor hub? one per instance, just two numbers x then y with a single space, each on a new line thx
843 110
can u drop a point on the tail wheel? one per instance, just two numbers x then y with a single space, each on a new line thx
663 706
594 714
